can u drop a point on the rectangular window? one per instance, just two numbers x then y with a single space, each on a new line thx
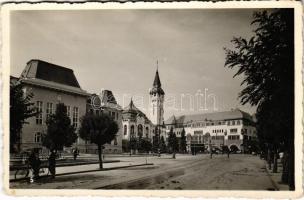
233 137
233 122
68 108
37 138
39 105
233 130
218 137
75 117
49 109
113 115
238 122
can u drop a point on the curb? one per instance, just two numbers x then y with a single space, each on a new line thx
79 163
85 163
86 171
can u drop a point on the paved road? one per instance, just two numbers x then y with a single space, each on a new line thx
239 172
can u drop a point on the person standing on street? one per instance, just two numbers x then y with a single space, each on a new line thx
75 153
35 163
52 163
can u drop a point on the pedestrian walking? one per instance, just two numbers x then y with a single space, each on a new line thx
35 163
76 153
211 152
52 163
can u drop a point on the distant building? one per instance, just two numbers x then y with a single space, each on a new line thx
136 124
105 104
231 128
50 84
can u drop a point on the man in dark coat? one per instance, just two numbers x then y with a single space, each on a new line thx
76 153
35 163
52 163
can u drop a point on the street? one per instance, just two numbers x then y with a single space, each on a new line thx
239 172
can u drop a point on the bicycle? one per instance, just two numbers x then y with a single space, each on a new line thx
25 171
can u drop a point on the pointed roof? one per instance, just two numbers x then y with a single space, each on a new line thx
131 108
156 82
157 85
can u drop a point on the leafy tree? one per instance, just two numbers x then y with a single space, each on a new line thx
133 144
60 132
144 145
172 142
155 143
20 109
98 129
266 62
183 142
125 145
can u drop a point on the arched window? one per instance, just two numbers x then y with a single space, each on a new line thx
140 130
147 132
125 129
132 131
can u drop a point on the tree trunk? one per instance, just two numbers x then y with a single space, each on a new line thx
173 155
285 158
275 161
291 176
269 158
100 156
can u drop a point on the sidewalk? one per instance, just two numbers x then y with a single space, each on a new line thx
276 177
66 170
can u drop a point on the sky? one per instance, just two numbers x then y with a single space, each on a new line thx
118 50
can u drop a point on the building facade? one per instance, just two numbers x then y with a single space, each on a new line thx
230 128
135 123
105 103
50 84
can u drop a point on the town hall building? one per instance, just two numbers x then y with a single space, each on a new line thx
136 124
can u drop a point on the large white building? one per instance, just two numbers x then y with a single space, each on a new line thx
230 128
50 84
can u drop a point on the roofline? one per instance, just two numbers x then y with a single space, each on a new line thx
56 88
50 64
243 112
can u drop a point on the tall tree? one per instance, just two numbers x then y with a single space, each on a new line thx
156 143
183 142
163 146
60 131
125 145
99 129
144 145
266 61
133 145
172 142
20 109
